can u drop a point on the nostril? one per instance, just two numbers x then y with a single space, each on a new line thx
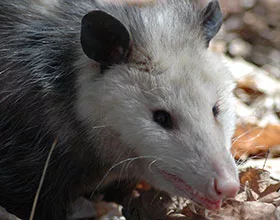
226 188
216 188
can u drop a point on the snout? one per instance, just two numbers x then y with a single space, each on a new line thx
222 188
218 189
220 181
226 188
224 185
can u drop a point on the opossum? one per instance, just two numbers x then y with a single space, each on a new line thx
128 93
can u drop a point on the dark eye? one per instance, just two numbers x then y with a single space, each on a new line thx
216 110
163 118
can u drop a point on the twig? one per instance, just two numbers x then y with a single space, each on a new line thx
42 180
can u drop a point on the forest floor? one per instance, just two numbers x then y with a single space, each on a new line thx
250 43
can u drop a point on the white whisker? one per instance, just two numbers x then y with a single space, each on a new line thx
114 166
152 163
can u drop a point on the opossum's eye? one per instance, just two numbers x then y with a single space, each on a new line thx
216 110
163 118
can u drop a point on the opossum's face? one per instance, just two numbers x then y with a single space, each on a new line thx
177 126
173 117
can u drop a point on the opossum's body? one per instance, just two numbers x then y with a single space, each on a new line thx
151 95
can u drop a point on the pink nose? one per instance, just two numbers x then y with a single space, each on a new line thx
226 188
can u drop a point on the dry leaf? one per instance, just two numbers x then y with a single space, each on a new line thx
252 140
143 185
270 189
251 177
271 198
257 211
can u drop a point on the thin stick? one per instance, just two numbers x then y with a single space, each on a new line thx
42 180
266 157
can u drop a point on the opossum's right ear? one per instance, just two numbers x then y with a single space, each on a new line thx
104 38
212 19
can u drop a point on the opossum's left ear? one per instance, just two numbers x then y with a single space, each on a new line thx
104 38
212 19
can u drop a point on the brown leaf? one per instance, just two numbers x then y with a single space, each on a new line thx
249 85
251 176
273 197
143 185
270 189
252 140
257 211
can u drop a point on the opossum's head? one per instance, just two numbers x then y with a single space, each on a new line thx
162 98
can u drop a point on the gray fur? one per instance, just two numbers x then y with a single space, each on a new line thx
50 89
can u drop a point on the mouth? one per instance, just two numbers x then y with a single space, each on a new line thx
191 192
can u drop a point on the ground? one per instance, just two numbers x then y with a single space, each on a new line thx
250 43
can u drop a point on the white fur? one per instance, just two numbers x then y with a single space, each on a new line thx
186 80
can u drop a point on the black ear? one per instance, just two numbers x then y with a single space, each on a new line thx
104 38
212 20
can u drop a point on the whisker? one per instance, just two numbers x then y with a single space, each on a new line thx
152 163
114 166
